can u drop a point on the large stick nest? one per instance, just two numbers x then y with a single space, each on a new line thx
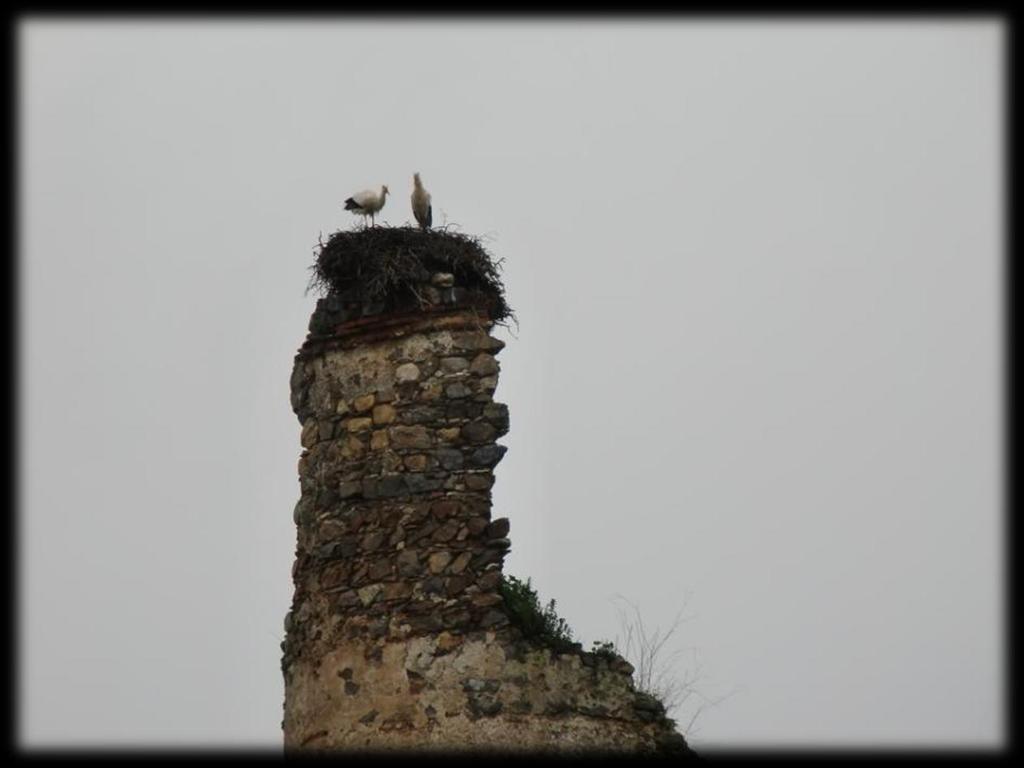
390 264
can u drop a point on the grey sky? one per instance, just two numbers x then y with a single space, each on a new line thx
757 272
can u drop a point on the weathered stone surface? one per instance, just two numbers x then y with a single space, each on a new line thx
425 623
477 525
486 557
498 528
459 410
470 341
460 562
497 414
350 488
397 635
449 458
417 437
457 390
448 434
479 481
420 532
407 372
458 617
416 463
454 365
310 433
478 432
489 580
373 541
379 570
352 447
484 365
446 532
447 642
384 414
444 509
369 593
419 482
421 414
494 618
438 560
433 585
298 379
408 562
486 599
431 391
473 674
347 599
488 455
390 462
335 576
397 590
392 485
303 509
457 584
364 403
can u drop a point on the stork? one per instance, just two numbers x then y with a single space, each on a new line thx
367 202
421 207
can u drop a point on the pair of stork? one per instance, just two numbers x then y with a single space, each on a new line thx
368 203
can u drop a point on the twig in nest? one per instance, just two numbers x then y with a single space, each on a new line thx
385 263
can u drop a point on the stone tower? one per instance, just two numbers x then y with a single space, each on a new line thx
398 636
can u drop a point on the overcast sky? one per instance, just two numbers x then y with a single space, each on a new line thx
757 373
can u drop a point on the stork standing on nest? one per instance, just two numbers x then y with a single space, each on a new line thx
421 207
367 202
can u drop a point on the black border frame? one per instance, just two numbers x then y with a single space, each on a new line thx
641 12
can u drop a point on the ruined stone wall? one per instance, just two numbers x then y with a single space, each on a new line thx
398 635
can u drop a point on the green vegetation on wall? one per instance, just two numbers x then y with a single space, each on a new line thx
536 621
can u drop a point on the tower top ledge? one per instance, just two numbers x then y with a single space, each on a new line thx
385 279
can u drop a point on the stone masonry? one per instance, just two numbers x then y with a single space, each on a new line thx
397 636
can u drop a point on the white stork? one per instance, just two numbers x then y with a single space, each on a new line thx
367 202
421 207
